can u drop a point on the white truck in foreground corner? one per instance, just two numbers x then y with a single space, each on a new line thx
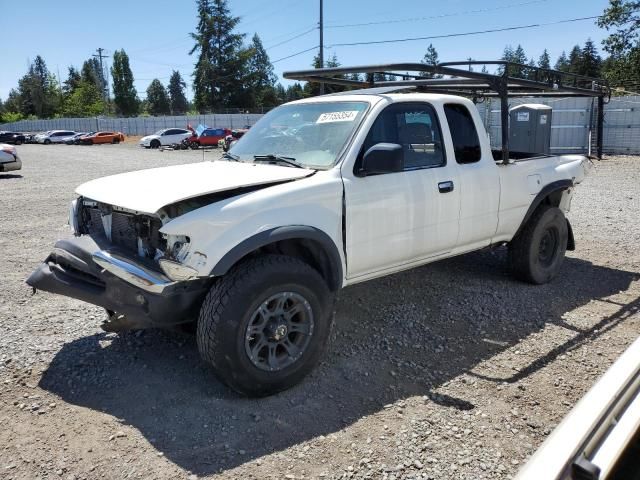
320 194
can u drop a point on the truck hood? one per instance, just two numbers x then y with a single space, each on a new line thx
147 191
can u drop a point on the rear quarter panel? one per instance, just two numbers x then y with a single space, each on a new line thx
521 181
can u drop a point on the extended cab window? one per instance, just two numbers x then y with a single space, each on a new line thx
466 143
415 127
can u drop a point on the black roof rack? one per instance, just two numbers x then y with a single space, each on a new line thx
458 78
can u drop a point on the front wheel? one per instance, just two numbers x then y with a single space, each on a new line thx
265 324
537 252
155 143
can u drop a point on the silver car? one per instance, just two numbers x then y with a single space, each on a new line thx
9 160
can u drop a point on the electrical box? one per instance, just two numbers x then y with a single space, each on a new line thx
530 129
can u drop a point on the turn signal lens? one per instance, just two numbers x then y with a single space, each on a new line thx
176 271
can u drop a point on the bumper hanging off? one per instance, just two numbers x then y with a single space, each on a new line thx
81 268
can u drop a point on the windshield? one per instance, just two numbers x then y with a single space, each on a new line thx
311 133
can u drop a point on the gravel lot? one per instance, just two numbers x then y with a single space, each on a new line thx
452 370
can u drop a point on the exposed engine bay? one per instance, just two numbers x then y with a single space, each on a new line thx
137 234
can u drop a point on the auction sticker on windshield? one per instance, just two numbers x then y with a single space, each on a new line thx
348 116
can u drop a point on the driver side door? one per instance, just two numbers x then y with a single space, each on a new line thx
395 220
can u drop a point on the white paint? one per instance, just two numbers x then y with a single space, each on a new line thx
393 222
147 191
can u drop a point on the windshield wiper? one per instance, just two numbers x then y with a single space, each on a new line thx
271 158
231 156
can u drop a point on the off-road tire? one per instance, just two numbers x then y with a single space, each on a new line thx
229 308
154 143
537 252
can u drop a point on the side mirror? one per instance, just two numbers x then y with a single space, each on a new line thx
383 158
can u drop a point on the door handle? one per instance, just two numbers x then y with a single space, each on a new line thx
445 187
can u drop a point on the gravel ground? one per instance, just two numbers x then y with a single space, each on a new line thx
452 370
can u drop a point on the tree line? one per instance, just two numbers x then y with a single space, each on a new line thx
230 73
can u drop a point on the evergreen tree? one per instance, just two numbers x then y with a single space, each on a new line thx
125 96
260 76
157 99
514 56
38 91
72 82
590 61
575 59
281 94
92 73
179 104
562 64
13 102
430 58
294 92
312 89
219 75
544 61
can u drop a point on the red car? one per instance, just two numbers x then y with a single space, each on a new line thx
208 138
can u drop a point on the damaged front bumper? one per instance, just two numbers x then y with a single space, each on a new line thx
88 270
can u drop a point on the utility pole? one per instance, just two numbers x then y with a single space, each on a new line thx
321 55
102 75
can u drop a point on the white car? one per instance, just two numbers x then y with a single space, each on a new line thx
164 137
54 136
9 159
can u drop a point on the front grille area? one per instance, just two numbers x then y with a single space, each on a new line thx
127 230
123 231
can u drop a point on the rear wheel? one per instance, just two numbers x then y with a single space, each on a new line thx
155 143
18 142
265 324
537 252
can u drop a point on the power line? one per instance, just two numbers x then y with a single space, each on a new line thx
292 38
295 54
286 34
463 34
431 17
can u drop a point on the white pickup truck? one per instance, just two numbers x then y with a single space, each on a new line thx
320 194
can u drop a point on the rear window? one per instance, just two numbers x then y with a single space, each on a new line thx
466 143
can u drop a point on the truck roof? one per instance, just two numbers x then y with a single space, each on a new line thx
374 95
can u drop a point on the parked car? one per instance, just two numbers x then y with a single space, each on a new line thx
256 247
30 137
54 136
75 139
9 159
98 138
12 137
600 437
165 137
208 138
